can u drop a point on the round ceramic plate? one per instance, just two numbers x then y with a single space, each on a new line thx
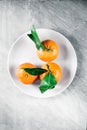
24 50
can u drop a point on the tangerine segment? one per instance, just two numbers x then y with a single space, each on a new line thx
23 76
50 53
54 68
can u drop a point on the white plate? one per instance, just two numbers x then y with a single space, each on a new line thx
24 50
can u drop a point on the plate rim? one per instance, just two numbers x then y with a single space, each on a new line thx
8 59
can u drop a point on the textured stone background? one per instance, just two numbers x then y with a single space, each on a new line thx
66 111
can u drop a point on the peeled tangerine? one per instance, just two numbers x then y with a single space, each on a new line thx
51 51
23 76
54 68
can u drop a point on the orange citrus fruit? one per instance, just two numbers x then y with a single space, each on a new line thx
23 76
54 68
50 53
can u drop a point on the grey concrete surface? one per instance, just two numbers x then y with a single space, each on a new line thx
67 111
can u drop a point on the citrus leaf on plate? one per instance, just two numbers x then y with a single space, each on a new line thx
35 71
34 37
31 37
48 82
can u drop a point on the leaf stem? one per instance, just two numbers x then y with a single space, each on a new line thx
48 68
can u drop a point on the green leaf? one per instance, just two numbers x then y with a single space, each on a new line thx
48 82
31 37
34 37
34 33
35 71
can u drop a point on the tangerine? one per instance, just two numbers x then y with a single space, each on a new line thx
54 68
23 76
51 51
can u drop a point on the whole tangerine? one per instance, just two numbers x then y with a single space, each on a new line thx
54 68
51 51
23 76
